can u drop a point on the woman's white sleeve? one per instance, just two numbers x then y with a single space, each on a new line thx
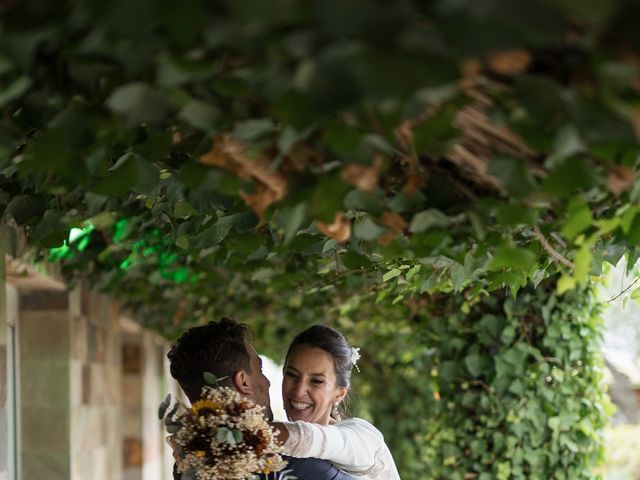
353 445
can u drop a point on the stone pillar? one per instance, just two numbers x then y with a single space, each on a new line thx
131 386
96 422
44 379
144 385
153 392
4 431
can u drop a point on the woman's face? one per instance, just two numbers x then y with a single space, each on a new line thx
309 387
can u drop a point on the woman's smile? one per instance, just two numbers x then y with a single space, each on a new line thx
309 386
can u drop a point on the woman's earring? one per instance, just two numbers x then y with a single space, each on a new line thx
335 414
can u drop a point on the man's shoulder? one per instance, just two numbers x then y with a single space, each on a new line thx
315 469
303 469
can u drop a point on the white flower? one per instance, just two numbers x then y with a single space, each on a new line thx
355 356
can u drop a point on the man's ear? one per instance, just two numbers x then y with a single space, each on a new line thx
242 382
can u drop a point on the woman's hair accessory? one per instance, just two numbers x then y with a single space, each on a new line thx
355 356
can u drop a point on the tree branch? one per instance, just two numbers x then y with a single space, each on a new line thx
613 299
552 251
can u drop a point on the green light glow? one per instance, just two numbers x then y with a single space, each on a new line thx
75 233
78 236
81 236
60 253
119 230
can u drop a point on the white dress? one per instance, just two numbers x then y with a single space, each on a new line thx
354 446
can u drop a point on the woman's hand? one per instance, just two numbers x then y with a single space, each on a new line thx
282 434
171 441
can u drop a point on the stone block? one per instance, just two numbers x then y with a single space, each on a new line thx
114 385
75 383
79 338
45 430
79 422
131 358
132 422
4 434
132 452
45 383
100 461
75 302
86 384
49 300
131 390
114 427
101 344
85 300
45 466
132 473
114 315
86 428
96 307
45 335
98 385
91 341
3 376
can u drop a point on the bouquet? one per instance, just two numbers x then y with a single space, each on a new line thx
222 436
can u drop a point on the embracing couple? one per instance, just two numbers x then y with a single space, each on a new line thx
317 376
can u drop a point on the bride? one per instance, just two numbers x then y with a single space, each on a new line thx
317 377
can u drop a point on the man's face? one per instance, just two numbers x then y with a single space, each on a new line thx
259 382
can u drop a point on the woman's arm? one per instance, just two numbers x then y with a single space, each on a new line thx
353 445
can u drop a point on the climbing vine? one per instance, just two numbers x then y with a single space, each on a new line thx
285 161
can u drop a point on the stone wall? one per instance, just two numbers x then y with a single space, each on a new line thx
44 383
96 419
89 384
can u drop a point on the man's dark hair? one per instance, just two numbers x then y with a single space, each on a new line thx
217 347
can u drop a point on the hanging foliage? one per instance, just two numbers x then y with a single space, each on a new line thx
229 154
412 169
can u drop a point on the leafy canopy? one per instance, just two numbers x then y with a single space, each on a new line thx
204 157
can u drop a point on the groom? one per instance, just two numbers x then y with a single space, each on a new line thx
224 349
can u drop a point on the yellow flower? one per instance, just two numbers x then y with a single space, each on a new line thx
204 405
266 471
200 453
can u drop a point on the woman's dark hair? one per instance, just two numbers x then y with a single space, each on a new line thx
331 341
217 347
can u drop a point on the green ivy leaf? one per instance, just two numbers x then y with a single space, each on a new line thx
182 241
579 218
514 214
200 115
354 261
138 103
327 198
513 175
15 90
184 209
477 364
582 263
428 219
565 284
121 177
568 177
508 256
252 129
25 208
292 219
367 229
393 273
